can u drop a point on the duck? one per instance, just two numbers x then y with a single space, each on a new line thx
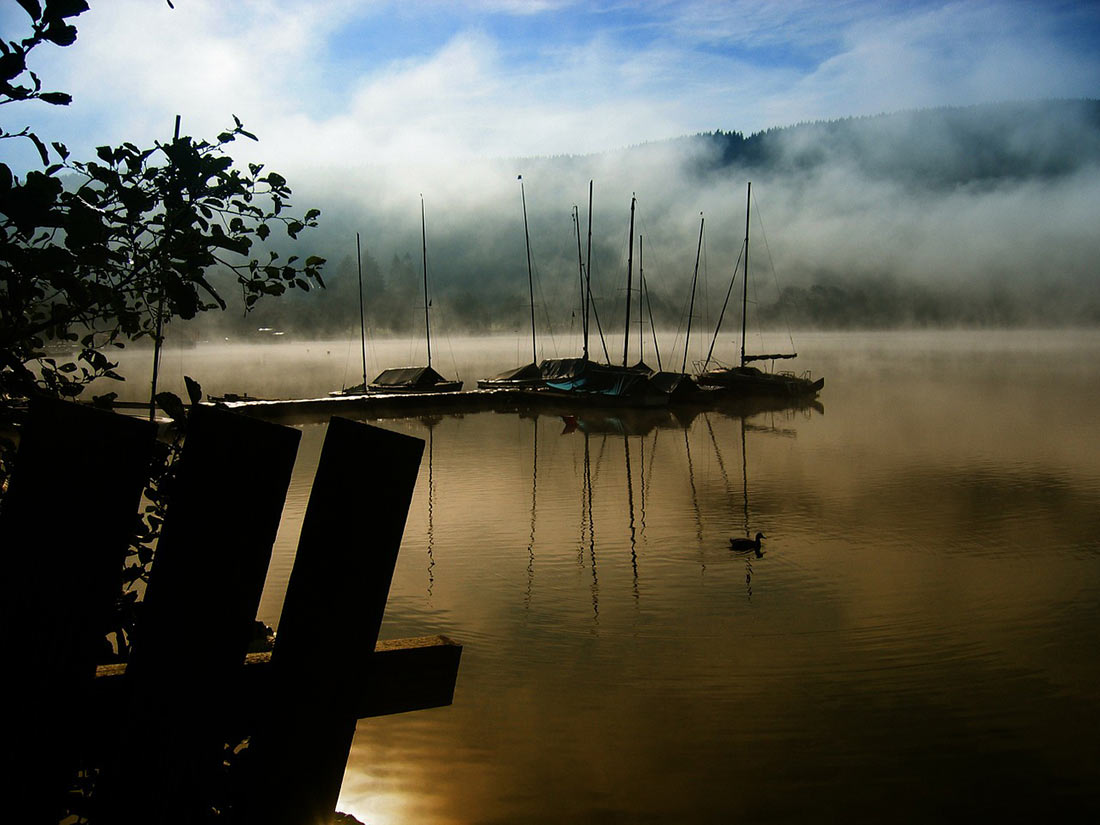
745 545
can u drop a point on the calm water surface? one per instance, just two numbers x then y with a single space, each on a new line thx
918 643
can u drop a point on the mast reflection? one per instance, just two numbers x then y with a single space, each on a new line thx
633 530
430 422
534 492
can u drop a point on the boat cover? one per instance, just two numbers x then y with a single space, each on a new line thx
408 377
528 372
562 369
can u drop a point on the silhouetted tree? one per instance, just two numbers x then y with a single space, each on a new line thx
97 253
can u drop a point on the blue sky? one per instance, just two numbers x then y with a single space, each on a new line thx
387 83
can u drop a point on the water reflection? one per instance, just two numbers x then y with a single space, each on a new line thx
534 499
430 422
588 525
630 509
907 654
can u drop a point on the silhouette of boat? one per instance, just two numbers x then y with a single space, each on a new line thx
358 389
585 380
414 379
745 380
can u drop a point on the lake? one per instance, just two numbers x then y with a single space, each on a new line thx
918 642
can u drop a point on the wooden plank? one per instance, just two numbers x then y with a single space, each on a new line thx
204 589
408 675
65 527
329 626
214 549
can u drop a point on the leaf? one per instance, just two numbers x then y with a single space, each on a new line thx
41 148
32 8
65 8
194 389
56 98
61 33
11 65
61 149
171 404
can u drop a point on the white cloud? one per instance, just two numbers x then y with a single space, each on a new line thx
740 65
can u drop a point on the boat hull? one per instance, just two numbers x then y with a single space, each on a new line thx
751 382
442 386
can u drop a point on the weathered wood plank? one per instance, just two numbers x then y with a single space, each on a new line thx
408 675
335 599
64 531
214 548
204 589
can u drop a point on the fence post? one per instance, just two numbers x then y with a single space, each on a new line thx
329 625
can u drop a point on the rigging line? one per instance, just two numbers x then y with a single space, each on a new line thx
649 302
694 498
450 347
775 280
681 321
725 303
599 458
706 286
599 327
546 314
652 327
755 304
718 455
694 283
347 362
590 268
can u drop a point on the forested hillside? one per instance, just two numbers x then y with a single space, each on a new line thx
957 216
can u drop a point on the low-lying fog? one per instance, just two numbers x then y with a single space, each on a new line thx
975 216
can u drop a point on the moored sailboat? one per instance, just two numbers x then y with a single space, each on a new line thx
528 376
417 379
748 381
603 384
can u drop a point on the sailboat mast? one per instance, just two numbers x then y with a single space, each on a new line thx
691 304
580 275
588 272
629 276
424 248
641 297
362 318
745 285
530 277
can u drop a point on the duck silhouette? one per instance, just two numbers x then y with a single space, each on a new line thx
745 545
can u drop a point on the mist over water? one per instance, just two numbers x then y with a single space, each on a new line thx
917 642
974 216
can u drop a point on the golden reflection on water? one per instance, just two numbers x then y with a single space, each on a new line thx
917 642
